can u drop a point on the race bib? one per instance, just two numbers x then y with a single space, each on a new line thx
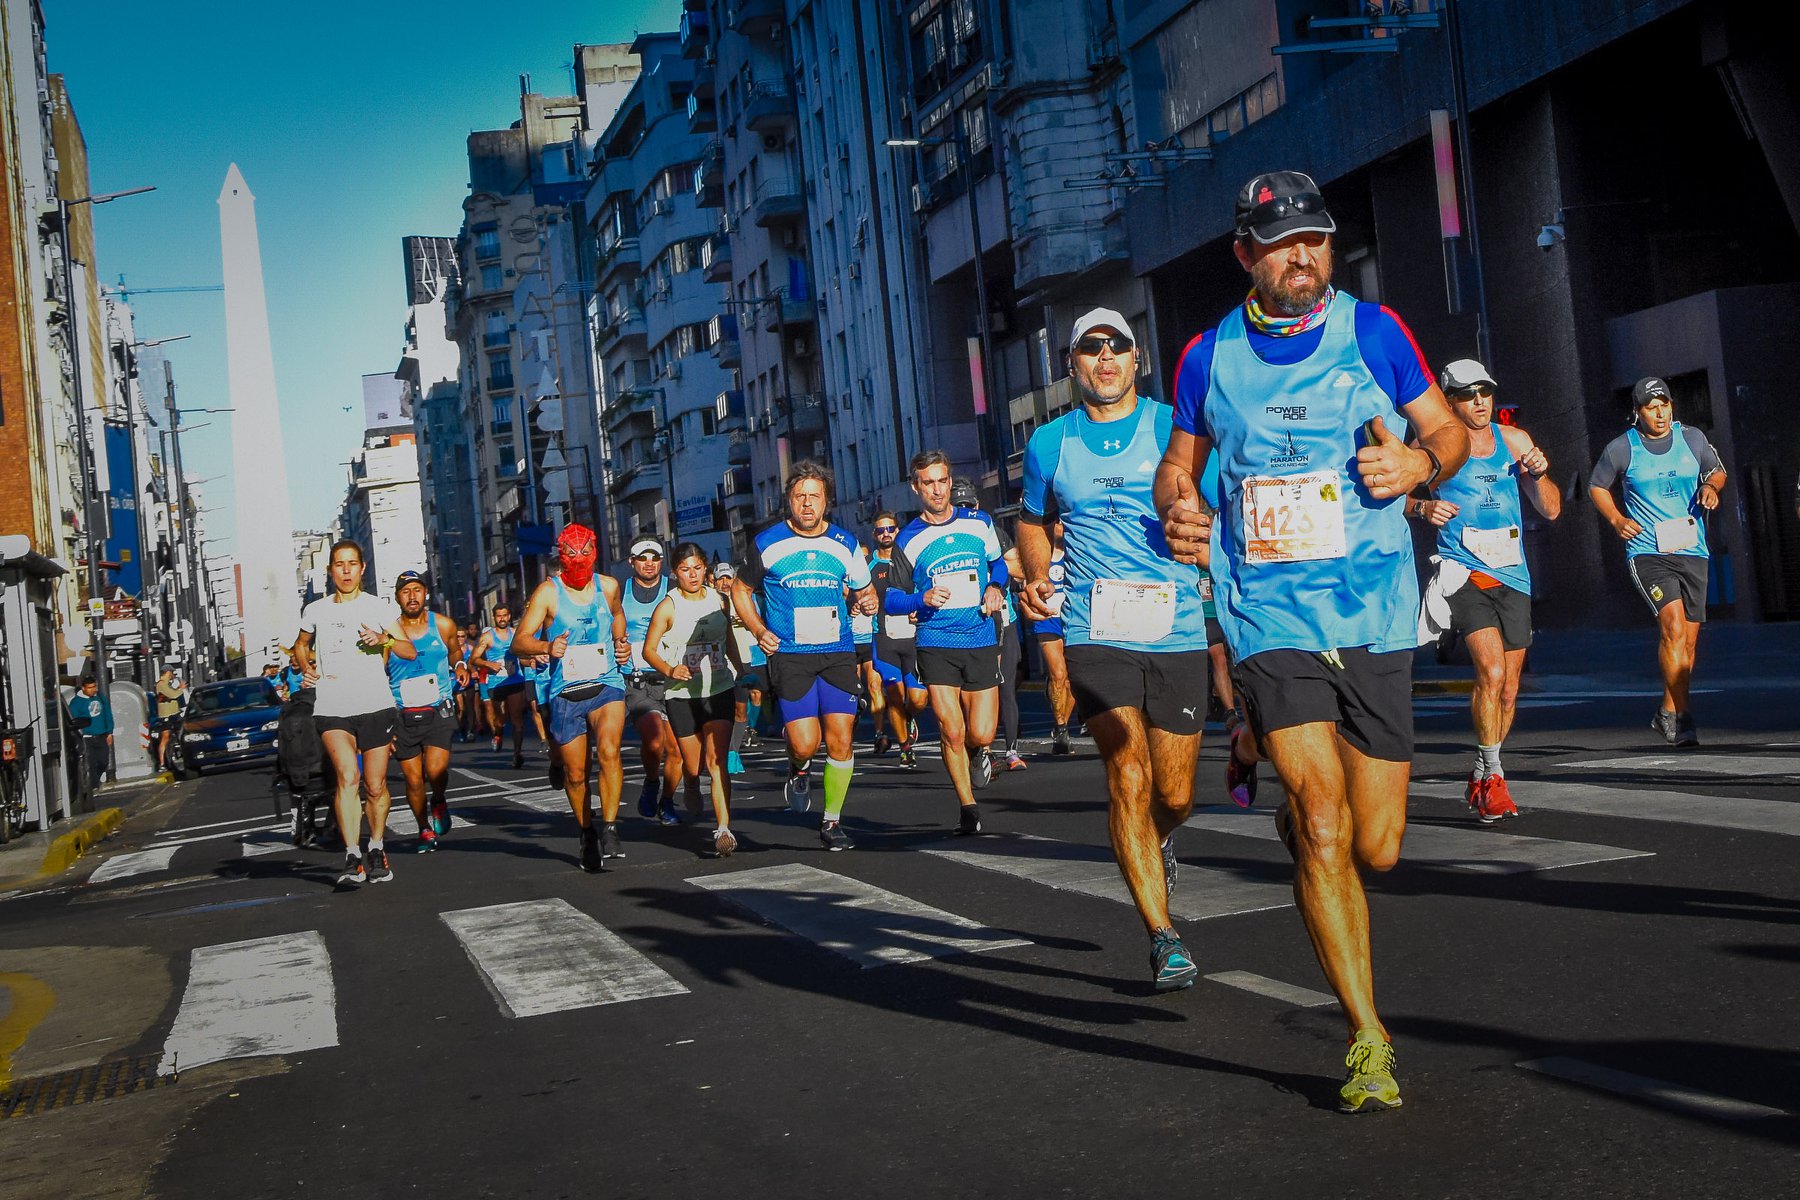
584 662
420 691
1131 612
1676 535
817 626
1293 518
964 587
702 656
898 627
1495 547
862 626
1206 592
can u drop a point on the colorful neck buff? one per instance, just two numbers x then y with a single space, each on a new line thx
1269 326
577 550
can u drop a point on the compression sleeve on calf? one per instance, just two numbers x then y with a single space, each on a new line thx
837 785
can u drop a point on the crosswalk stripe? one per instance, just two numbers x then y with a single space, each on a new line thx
1462 848
1681 808
870 926
271 995
1700 764
1200 892
1274 989
1678 1097
546 956
157 858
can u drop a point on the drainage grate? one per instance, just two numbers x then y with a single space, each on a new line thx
102 1081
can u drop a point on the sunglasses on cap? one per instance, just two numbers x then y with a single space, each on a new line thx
1093 345
1306 204
1470 393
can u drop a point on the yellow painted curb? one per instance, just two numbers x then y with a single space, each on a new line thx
32 1000
63 852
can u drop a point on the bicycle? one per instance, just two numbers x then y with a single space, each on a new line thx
15 751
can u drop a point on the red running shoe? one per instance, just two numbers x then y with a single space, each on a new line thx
1499 798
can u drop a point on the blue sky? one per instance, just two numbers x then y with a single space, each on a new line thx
348 121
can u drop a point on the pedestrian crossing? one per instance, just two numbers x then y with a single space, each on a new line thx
547 956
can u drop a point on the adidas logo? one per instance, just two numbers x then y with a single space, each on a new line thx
1344 379
1146 465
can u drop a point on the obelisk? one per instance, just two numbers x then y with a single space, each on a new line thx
271 610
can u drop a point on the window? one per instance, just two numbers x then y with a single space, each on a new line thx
495 331
975 127
487 240
500 375
491 279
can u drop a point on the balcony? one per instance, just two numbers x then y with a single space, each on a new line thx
495 337
703 114
639 479
712 163
769 106
779 201
500 381
723 329
728 409
808 412
631 406
738 452
744 15
620 254
789 314
735 485
693 34
708 195
715 259
621 326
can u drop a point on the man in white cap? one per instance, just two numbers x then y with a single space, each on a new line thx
1478 513
1133 627
644 588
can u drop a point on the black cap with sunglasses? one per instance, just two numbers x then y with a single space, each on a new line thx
1281 204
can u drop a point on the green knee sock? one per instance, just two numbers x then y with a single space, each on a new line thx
837 785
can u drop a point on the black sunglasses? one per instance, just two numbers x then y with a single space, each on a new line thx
652 557
1091 346
1471 393
887 529
1306 204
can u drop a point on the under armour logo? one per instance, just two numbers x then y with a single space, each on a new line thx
1112 445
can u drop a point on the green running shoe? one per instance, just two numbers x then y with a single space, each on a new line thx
1370 1085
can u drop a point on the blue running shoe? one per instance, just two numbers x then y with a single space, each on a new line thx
647 798
734 764
1169 962
799 793
665 811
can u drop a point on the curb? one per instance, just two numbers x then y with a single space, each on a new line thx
63 852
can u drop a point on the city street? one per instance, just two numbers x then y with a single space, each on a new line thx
1594 999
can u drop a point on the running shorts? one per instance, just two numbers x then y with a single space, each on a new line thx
1053 628
569 718
814 685
418 728
970 668
371 730
1663 579
902 670
644 697
688 714
1503 608
1368 698
1169 688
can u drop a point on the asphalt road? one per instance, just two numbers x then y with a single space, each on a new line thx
927 1015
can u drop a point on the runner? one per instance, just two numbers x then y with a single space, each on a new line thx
1481 566
688 642
645 586
868 675
470 712
1135 639
748 696
1006 631
1050 641
1672 478
896 652
424 688
960 584
1307 396
570 619
345 642
805 564
502 682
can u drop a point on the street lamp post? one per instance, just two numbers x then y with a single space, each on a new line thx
90 476
959 139
144 540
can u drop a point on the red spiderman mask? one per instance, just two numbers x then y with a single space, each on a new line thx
577 551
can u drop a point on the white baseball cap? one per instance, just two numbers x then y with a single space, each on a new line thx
646 545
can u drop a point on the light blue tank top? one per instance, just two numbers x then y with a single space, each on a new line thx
1486 495
637 618
1269 421
1662 487
432 659
1110 529
588 624
500 651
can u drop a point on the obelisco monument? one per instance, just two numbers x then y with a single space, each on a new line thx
271 601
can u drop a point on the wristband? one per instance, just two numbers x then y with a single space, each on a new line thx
1437 467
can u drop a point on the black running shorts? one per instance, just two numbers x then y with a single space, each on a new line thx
970 668
371 730
1169 688
1662 579
1368 698
1503 608
417 728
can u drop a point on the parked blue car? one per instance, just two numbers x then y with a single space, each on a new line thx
226 723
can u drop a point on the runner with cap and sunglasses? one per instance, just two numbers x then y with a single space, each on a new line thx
896 652
1479 517
645 586
950 572
1307 396
575 619
1135 638
424 689
1671 477
805 566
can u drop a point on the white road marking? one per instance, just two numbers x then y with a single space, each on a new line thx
1681 808
229 833
1470 848
272 995
1200 892
1701 764
268 842
1680 1098
870 926
137 863
546 956
214 825
1274 989
502 784
1461 703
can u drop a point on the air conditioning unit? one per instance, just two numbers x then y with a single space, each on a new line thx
922 197
802 348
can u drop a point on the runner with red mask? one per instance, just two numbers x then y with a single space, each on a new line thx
570 618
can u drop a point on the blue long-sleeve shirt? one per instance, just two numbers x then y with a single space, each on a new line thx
963 554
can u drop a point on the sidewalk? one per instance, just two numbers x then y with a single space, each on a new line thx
36 858
1744 655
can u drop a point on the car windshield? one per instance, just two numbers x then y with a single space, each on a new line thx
245 693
